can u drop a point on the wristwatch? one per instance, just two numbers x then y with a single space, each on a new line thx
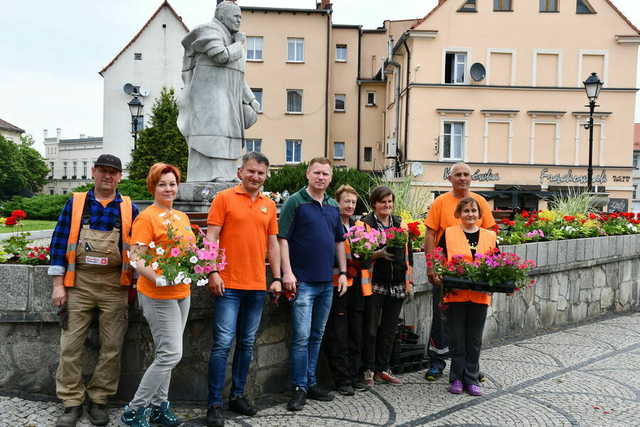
276 279
343 272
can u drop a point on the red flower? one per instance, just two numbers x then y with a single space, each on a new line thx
594 216
19 214
413 228
42 256
524 214
12 220
569 218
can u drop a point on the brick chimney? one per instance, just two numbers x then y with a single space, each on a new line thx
45 133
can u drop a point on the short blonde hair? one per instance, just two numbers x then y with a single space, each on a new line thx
345 189
156 171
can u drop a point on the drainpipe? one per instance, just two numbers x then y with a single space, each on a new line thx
359 99
326 93
397 100
406 107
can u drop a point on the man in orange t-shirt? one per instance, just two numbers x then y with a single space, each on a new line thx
244 222
441 216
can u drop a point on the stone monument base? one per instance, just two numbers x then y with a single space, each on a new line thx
193 196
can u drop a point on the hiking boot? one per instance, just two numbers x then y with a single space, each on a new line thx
316 392
346 390
242 406
215 417
455 387
360 385
97 414
368 378
386 377
473 390
135 417
164 415
432 374
298 400
70 416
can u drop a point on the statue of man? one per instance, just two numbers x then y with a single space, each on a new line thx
216 104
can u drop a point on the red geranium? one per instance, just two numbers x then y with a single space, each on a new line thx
569 218
524 214
11 221
413 228
19 214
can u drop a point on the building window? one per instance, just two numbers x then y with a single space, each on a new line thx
64 169
371 98
455 65
368 154
254 48
51 191
341 52
468 6
502 6
548 5
338 150
257 92
137 56
583 7
635 191
453 136
84 170
293 150
295 50
340 101
294 101
636 162
51 169
75 169
253 145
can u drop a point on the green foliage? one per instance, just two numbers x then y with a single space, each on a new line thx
573 204
410 202
292 178
161 141
43 206
23 171
134 188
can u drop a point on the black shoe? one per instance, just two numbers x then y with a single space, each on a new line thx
346 390
97 414
359 385
298 400
315 392
215 418
242 406
70 416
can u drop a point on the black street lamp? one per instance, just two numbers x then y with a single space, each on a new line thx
592 86
135 108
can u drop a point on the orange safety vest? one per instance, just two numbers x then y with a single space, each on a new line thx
457 244
126 214
409 274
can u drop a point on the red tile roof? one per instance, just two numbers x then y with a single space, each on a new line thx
636 136
165 3
8 126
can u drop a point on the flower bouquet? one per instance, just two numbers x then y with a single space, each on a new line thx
396 241
364 243
491 272
184 263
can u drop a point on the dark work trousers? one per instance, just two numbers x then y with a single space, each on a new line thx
381 324
343 335
466 323
438 350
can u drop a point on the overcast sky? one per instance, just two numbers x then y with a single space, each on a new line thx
51 51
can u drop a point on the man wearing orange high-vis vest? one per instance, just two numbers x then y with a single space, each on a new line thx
90 269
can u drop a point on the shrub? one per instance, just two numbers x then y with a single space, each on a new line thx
43 206
134 188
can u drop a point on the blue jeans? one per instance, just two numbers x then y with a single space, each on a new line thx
310 312
235 311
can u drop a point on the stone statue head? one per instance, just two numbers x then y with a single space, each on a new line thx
229 14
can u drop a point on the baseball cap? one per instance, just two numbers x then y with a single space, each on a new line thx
109 160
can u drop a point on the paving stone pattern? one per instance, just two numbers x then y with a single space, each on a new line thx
585 376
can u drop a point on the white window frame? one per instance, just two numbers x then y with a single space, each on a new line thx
467 66
605 65
463 142
253 142
370 92
344 102
581 121
335 156
346 52
295 41
254 39
532 139
486 136
260 90
286 142
301 93
534 64
514 61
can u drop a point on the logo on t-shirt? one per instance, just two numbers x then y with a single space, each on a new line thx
263 209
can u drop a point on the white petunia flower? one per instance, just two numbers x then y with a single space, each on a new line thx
193 259
151 245
187 280
154 265
202 282
160 251
177 280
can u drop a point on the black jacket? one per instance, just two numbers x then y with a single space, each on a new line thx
385 271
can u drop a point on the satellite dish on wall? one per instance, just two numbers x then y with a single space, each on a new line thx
478 72
143 91
130 89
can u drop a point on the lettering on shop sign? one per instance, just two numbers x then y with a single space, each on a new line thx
621 178
477 175
570 178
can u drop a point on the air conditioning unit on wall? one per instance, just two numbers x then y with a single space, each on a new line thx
390 149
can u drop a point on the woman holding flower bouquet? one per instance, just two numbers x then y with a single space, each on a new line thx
160 231
391 282
467 310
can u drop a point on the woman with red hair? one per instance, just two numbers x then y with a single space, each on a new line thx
164 305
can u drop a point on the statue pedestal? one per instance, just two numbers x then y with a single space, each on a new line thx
194 196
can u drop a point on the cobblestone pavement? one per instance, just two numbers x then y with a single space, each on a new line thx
586 376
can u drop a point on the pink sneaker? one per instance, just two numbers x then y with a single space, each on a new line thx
386 377
473 390
455 387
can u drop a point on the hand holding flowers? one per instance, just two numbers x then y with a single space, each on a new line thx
364 243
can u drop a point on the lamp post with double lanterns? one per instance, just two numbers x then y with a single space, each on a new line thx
592 86
135 108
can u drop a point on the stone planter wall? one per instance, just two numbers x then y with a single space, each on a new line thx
576 280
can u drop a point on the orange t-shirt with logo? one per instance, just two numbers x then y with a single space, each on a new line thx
151 226
246 225
441 215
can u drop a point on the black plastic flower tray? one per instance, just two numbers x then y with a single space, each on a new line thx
459 283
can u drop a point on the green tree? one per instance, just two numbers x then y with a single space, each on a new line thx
161 141
34 167
12 179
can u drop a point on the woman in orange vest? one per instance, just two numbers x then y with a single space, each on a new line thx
164 305
467 310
